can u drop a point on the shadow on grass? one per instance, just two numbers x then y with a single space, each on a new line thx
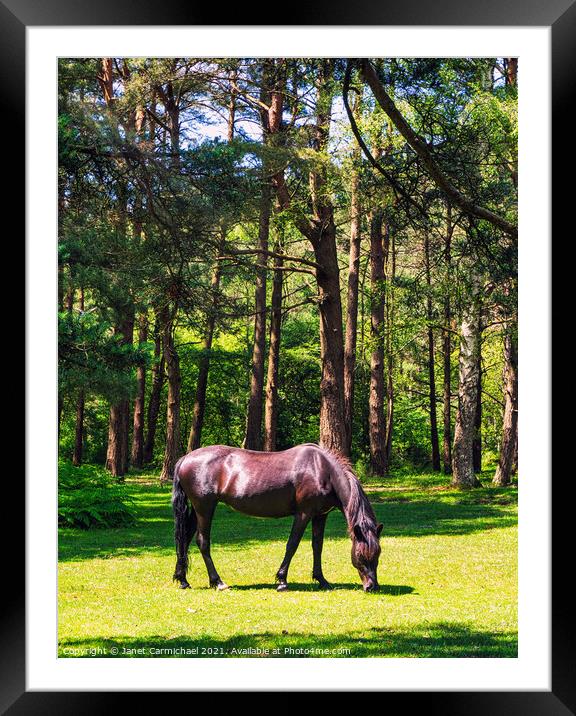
435 513
395 590
438 639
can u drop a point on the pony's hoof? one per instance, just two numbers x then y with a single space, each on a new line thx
184 585
282 587
325 585
219 586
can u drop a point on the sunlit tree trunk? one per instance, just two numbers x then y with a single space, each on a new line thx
431 367
511 71
106 80
319 228
508 443
271 407
332 433
376 400
137 457
447 350
477 444
462 451
352 307
390 310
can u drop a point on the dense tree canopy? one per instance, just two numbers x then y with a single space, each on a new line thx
265 252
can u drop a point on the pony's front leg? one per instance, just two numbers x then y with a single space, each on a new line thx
298 527
203 542
318 525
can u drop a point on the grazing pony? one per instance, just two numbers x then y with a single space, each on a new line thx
305 481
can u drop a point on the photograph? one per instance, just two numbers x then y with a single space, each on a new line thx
288 353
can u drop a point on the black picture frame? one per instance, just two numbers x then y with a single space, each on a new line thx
560 15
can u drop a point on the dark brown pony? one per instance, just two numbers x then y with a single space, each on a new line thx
305 481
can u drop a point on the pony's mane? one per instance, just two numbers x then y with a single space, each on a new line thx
358 510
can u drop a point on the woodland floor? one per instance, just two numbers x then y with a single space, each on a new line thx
448 576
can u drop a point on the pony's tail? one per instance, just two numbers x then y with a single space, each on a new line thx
184 527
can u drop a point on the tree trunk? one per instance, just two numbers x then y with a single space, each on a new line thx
447 398
271 100
320 230
431 368
376 413
332 434
271 408
511 67
195 438
506 459
172 449
106 80
117 452
477 444
79 427
462 452
126 435
253 439
447 351
129 339
352 309
60 411
139 404
114 462
389 349
155 392
117 455
137 451
79 431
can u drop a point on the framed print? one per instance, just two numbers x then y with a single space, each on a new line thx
208 202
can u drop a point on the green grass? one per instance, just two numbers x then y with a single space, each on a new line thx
447 573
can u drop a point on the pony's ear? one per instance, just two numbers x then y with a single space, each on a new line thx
379 529
359 534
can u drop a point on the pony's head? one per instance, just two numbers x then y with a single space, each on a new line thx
363 528
366 552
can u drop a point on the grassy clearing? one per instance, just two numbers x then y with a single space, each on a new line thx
447 573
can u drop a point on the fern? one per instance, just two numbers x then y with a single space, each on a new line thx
89 497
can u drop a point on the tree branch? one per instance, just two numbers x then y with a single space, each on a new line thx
398 188
274 255
422 150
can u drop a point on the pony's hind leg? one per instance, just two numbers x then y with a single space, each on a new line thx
298 527
318 525
184 528
182 562
203 542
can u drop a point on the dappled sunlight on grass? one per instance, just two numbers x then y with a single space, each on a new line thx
447 570
440 639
